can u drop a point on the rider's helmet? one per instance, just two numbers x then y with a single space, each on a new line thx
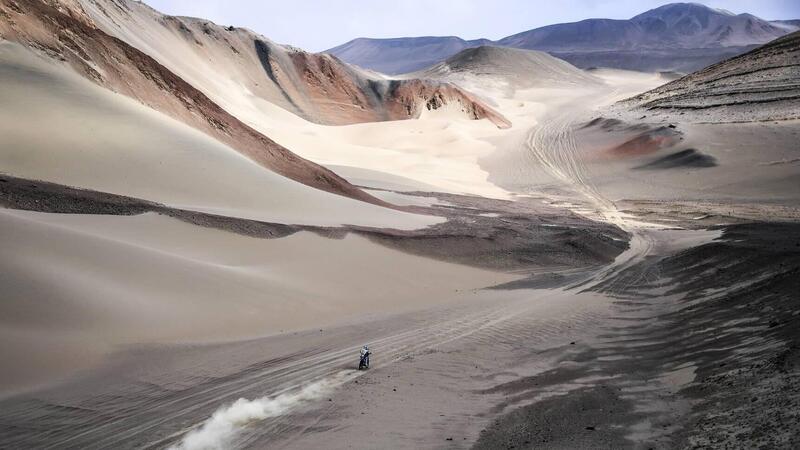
366 349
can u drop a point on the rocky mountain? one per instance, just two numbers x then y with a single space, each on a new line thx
676 25
679 37
763 84
401 55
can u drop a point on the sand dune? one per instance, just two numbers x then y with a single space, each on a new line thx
65 34
518 68
242 87
707 137
439 150
447 152
104 141
584 281
241 69
66 288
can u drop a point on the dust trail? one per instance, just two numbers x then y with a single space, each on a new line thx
222 426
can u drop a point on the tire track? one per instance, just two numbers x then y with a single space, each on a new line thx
554 146
145 415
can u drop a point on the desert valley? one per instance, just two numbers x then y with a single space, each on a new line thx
584 235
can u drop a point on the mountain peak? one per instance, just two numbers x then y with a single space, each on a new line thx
673 37
678 10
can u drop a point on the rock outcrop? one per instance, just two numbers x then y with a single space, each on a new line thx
763 84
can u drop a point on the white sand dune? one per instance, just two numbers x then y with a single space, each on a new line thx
234 80
444 151
436 150
68 289
59 127
380 180
441 149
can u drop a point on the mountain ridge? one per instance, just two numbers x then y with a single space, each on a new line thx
650 41
760 85
438 48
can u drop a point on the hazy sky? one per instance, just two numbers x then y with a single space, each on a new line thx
317 25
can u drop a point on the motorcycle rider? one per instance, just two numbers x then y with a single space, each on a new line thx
364 361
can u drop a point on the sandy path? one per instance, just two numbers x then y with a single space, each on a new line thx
154 407
431 380
279 385
554 147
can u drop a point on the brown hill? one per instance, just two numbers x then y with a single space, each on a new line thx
240 69
64 32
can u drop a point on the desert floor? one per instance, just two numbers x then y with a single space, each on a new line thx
541 285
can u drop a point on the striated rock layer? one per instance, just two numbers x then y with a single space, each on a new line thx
763 84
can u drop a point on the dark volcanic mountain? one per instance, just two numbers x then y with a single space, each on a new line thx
677 25
679 37
763 84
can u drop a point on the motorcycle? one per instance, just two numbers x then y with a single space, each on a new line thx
363 364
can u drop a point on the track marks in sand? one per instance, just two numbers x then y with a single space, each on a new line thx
554 146
151 415
319 378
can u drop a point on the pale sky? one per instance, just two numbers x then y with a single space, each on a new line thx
317 25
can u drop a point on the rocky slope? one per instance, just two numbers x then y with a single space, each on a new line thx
763 84
240 70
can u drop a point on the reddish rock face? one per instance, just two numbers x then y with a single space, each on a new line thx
332 92
760 85
318 87
411 96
